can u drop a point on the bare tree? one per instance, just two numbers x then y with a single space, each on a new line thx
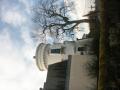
53 17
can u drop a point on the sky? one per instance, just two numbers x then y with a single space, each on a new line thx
18 70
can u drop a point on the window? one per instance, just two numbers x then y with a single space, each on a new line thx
55 50
81 48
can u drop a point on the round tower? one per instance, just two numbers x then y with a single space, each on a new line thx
45 57
40 56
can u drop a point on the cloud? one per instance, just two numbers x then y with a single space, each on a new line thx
14 18
10 60
28 48
18 70
28 4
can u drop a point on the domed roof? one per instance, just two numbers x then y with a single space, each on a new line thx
41 56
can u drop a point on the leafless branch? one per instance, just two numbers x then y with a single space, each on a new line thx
53 17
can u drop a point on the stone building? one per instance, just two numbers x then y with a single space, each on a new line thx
70 75
47 54
57 76
66 64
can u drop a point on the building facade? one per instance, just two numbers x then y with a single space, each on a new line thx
57 76
47 54
70 75
66 64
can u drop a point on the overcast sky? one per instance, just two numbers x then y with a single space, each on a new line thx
18 70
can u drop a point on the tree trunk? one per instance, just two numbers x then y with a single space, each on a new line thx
102 47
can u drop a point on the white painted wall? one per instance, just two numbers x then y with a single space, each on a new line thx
55 58
79 79
44 57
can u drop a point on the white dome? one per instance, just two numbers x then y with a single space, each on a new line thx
41 56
